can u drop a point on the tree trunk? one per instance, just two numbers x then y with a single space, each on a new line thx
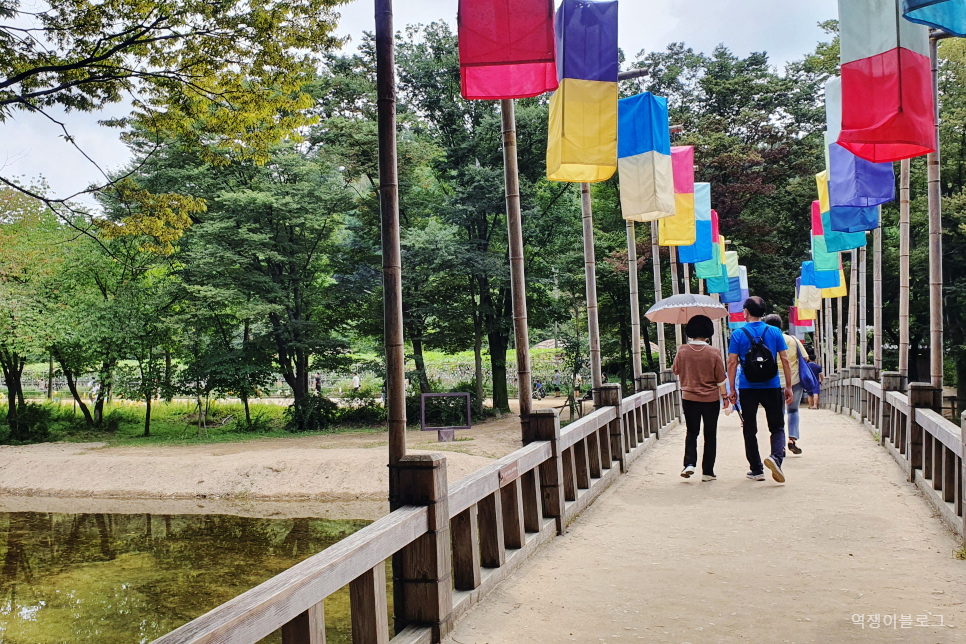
417 341
72 386
248 413
478 363
147 415
498 349
167 375
12 366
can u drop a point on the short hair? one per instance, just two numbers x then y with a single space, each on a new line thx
755 305
699 326
773 319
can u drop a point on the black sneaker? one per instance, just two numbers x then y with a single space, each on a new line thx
776 469
795 449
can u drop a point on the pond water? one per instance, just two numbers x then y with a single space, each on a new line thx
113 578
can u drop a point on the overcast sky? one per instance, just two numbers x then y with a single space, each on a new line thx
786 29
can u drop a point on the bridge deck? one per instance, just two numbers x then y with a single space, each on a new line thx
664 559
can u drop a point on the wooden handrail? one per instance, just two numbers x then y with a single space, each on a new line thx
581 429
277 602
264 609
899 401
944 431
485 481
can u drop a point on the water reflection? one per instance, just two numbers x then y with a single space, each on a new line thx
106 578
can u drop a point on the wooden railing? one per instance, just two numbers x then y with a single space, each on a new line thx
450 547
911 427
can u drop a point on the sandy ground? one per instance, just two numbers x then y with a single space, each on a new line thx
668 560
319 472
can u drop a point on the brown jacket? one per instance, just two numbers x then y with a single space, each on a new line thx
700 369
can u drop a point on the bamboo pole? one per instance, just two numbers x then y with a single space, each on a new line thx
687 278
518 281
853 310
935 238
636 364
675 290
391 252
877 297
590 276
840 344
904 270
828 360
658 295
861 320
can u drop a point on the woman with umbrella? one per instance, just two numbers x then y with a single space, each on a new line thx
701 372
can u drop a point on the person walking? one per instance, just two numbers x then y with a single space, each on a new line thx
795 350
701 372
813 396
759 348
556 380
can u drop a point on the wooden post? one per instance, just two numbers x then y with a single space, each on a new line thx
861 319
518 282
369 609
921 395
636 360
853 310
465 529
904 243
891 381
962 470
935 238
687 277
877 296
545 426
391 251
492 547
514 532
590 276
610 396
675 290
309 627
422 576
649 383
658 295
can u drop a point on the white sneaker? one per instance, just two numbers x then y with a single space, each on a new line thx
688 471
709 477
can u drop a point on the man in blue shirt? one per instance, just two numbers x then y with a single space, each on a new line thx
768 394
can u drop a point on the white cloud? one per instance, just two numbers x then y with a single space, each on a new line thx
786 29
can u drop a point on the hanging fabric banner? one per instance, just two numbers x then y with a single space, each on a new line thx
808 296
853 181
845 219
582 143
820 279
837 291
644 158
504 54
681 230
887 100
737 291
948 15
711 268
701 250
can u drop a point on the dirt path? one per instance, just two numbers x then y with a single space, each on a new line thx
341 467
668 560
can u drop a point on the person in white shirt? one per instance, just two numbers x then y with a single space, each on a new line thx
356 382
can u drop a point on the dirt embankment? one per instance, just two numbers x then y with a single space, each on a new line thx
315 469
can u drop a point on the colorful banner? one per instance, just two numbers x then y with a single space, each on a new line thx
820 279
855 219
808 296
582 143
948 15
702 249
837 291
853 181
644 158
887 100
504 55
681 229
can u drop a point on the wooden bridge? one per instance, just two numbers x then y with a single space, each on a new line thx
498 529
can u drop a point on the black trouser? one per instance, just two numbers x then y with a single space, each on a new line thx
693 413
773 400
